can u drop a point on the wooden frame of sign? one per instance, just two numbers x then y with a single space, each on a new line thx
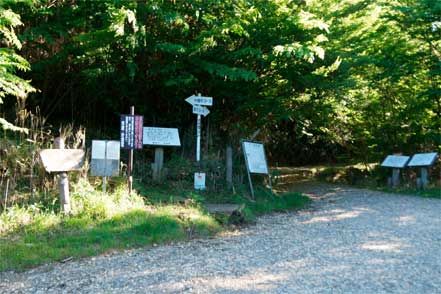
261 167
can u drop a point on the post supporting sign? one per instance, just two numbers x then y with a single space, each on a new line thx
396 162
255 161
160 137
423 161
198 103
131 138
62 160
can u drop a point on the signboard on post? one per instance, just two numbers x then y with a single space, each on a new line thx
255 161
199 102
397 161
161 136
131 131
423 159
105 158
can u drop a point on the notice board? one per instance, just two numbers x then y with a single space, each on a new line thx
255 158
131 131
105 158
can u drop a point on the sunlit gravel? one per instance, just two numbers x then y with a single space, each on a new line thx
349 241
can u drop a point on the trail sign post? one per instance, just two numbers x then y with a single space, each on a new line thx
105 159
62 160
255 161
160 137
199 102
395 162
423 161
131 138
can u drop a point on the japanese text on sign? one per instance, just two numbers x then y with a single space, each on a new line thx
131 131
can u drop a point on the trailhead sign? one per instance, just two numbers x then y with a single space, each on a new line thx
131 131
161 136
202 110
423 159
255 157
105 158
200 100
396 161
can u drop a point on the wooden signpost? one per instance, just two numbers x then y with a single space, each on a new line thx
105 159
62 160
423 160
199 102
396 162
255 161
131 138
160 137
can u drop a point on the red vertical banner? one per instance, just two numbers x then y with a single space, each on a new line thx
139 121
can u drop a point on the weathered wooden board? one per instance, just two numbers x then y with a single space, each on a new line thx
397 161
62 160
161 136
423 159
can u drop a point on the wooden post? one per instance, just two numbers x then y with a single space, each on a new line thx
229 165
130 163
63 182
395 177
158 164
104 184
424 179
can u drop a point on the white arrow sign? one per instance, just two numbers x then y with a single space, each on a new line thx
200 100
197 109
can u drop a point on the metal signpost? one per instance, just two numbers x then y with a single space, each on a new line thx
423 160
160 137
105 159
395 162
199 102
255 161
131 138
62 160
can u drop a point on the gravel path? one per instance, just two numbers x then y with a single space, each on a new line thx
350 241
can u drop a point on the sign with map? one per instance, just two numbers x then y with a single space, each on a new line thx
161 136
255 157
396 161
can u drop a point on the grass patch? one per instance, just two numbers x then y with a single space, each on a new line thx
31 236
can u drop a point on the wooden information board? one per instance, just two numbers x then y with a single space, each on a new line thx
62 160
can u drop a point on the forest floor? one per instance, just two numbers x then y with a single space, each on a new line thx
348 241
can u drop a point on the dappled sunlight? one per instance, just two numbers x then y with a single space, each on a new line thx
384 246
335 215
406 220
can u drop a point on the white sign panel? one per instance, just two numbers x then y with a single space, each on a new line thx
199 181
98 149
61 160
423 159
200 100
197 109
113 149
397 161
161 136
255 157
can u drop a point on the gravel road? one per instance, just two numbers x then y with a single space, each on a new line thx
350 241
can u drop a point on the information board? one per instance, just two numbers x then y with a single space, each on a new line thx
62 160
255 157
131 131
397 161
105 158
161 136
423 159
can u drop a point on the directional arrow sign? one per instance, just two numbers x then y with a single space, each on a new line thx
200 100
197 109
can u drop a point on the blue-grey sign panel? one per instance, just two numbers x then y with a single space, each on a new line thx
423 159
